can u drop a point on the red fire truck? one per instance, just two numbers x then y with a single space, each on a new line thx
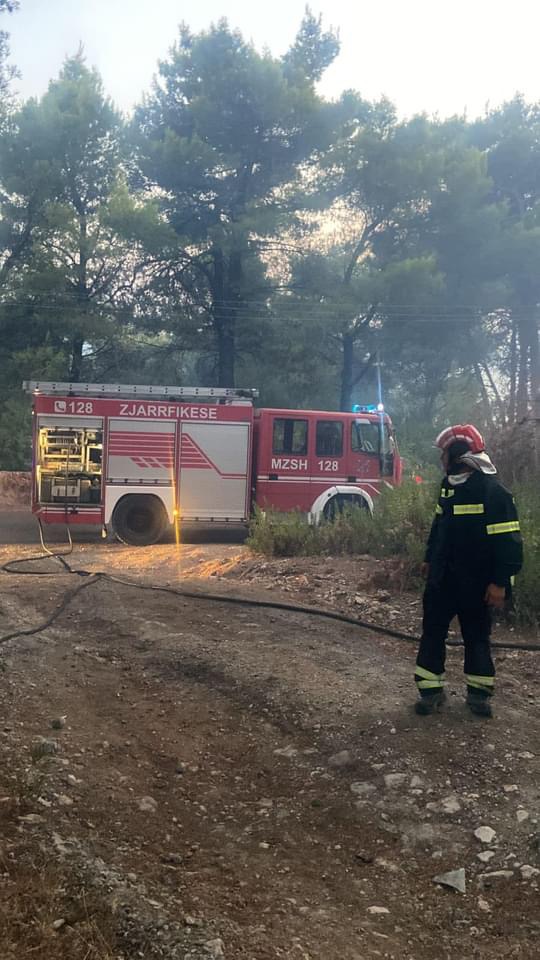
138 459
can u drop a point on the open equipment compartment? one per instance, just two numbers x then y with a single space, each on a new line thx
69 461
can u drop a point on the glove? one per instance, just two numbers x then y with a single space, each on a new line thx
495 596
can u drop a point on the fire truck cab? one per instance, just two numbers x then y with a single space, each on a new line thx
139 459
317 462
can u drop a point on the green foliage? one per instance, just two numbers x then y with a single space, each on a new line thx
313 50
7 72
15 434
527 589
15 409
383 272
438 398
242 227
398 527
224 132
282 534
72 232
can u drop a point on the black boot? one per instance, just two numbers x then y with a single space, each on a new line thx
479 703
430 702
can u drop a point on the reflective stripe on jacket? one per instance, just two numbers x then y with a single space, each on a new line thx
475 534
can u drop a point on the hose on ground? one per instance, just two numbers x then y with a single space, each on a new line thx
64 603
13 567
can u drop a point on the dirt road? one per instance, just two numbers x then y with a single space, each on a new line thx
241 783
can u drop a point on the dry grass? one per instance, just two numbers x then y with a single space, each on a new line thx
34 894
32 897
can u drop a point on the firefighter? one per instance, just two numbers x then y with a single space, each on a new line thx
473 552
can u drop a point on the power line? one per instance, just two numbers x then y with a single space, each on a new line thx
390 312
285 302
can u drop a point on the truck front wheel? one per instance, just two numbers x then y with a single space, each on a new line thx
343 501
139 520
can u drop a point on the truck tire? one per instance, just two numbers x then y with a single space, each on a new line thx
335 506
139 520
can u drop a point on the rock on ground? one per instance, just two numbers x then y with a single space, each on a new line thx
455 879
485 834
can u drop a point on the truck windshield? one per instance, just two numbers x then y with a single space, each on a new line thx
374 438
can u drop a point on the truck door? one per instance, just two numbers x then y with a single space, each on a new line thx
214 472
328 458
282 461
371 451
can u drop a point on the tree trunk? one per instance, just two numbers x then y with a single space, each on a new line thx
513 372
534 349
522 393
483 390
501 406
77 344
226 351
226 297
534 353
76 360
347 340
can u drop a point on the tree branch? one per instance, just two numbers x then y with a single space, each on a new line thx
367 233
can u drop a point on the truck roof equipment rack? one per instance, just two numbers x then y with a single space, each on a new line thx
53 388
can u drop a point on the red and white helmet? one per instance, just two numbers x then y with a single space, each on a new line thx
461 431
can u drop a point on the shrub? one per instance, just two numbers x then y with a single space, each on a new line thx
527 589
282 534
398 528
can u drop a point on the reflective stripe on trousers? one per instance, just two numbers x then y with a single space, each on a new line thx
426 680
485 684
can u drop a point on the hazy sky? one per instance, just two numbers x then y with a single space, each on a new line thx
432 55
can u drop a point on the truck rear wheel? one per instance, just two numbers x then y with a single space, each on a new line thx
139 520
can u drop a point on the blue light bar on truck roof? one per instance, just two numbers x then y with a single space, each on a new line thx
368 408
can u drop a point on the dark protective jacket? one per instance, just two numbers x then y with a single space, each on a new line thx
475 536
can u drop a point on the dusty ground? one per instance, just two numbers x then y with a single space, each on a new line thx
15 487
231 781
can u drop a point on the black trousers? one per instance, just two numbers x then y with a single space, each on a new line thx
442 602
